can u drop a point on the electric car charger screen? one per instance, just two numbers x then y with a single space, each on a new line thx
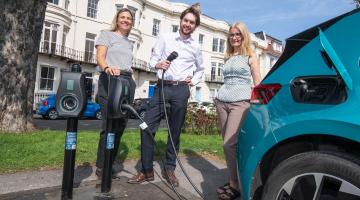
70 85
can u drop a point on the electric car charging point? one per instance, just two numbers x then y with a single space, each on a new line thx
70 102
119 94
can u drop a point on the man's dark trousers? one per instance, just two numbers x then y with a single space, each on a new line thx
177 96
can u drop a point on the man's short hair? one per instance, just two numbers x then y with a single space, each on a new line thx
193 10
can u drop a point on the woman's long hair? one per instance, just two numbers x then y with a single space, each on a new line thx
114 22
245 41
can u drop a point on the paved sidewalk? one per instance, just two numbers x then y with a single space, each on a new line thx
206 174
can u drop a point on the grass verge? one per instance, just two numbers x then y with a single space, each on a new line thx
45 149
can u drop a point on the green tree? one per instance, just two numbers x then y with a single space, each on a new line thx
21 23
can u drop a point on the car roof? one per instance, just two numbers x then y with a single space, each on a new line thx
296 42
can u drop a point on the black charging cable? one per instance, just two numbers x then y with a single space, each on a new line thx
144 127
172 141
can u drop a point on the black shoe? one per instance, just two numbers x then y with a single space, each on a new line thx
114 174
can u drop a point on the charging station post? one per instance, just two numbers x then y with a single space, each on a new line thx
69 158
109 148
70 102
118 94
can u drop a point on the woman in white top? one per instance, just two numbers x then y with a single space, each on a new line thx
114 57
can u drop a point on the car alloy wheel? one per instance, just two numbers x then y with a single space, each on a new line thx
314 175
53 114
320 185
98 115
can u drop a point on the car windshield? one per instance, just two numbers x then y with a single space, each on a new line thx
296 42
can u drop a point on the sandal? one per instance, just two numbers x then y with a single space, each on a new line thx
229 194
222 189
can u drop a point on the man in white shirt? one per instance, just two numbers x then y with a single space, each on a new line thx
178 76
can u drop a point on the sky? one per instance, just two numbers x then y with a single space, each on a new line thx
278 18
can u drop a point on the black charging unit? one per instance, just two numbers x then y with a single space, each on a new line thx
70 102
118 94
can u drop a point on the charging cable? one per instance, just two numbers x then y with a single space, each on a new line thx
144 127
172 141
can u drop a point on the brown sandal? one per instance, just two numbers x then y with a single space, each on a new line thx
229 194
222 189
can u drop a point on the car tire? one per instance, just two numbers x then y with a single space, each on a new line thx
52 114
98 115
314 173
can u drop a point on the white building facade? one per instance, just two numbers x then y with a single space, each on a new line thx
72 26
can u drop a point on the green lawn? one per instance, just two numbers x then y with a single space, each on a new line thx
45 149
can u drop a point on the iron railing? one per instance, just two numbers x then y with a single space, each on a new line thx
83 56
214 79
142 65
65 52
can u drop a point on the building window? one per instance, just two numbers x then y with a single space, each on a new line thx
53 1
212 94
49 37
222 46
47 78
175 28
119 6
198 94
89 89
272 62
92 8
201 39
220 69
218 45
215 44
133 11
89 47
65 32
156 27
67 2
63 43
213 70
277 47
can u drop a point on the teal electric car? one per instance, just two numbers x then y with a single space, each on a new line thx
301 137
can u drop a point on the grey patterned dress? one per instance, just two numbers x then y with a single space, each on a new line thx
237 80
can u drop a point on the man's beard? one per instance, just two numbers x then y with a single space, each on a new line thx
187 34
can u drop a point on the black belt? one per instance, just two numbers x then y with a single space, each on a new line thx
122 73
125 73
170 82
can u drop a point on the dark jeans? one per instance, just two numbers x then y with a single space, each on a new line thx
177 96
118 125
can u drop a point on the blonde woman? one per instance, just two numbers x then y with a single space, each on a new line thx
232 102
114 57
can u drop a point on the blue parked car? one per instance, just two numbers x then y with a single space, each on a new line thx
46 108
301 137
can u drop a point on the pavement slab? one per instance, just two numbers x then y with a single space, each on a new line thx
206 174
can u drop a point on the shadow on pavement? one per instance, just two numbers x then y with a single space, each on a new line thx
213 177
82 172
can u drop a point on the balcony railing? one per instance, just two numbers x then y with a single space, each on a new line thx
214 79
81 56
65 52
142 66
